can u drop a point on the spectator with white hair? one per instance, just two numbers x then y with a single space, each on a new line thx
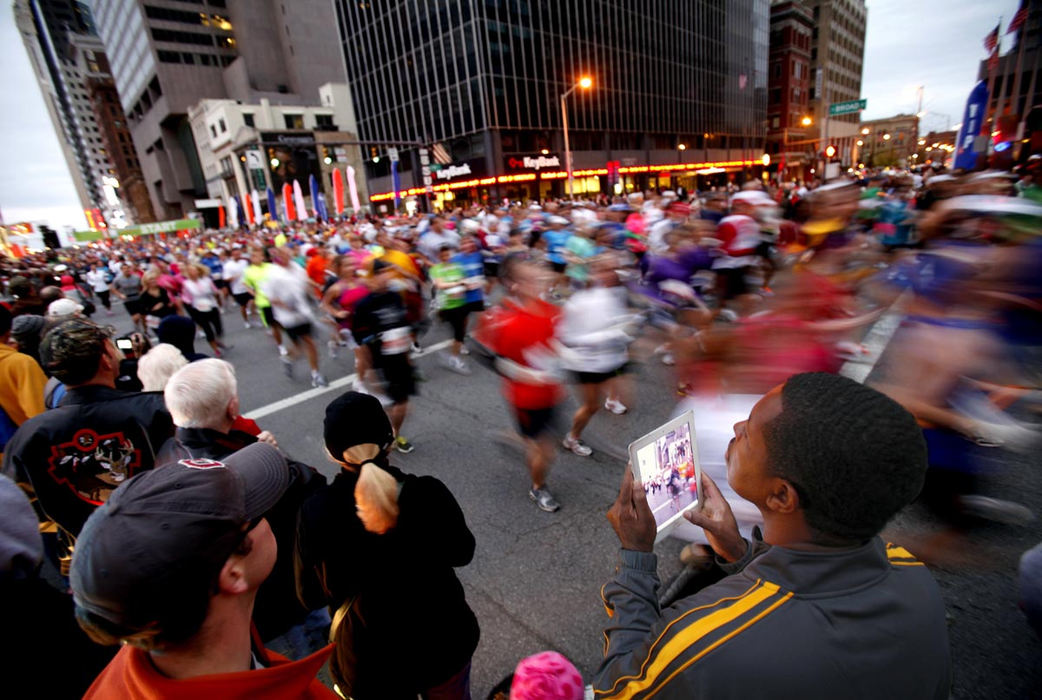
203 399
157 366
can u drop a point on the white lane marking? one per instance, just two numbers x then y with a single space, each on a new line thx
290 401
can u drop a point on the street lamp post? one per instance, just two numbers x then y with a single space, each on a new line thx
584 82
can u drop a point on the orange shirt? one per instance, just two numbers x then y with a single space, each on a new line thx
131 675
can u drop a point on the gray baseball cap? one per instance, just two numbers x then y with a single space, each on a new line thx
171 529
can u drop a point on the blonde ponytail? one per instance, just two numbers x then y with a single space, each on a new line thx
376 495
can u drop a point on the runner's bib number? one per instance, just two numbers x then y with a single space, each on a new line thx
395 341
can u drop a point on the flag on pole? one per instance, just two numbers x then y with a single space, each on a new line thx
991 41
1018 19
396 184
313 190
247 209
258 216
233 213
287 202
338 192
298 200
221 217
353 188
441 156
273 211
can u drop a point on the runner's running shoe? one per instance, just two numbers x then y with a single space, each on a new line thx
577 446
544 499
403 445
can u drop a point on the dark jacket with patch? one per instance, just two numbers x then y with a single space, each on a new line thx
76 454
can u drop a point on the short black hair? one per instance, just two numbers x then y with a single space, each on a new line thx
854 455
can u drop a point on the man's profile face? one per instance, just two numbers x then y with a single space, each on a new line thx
746 455
261 559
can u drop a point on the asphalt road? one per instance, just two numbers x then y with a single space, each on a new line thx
535 578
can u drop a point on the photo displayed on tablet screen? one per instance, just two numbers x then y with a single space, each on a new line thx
667 473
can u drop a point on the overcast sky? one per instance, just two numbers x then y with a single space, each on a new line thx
933 43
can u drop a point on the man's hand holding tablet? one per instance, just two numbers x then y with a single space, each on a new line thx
718 522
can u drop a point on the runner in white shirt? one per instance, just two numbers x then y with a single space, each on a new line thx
234 269
98 279
288 288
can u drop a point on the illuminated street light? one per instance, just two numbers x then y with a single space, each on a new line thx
864 132
274 162
886 137
860 142
585 82
681 146
806 121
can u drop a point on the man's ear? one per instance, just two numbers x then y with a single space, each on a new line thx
232 579
782 496
233 407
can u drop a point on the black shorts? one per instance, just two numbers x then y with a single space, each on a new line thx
242 299
457 320
491 269
220 284
268 316
534 422
398 375
298 332
733 281
600 377
558 267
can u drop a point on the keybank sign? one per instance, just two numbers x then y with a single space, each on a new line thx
452 171
533 162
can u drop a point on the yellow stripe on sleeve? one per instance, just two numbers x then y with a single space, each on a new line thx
697 630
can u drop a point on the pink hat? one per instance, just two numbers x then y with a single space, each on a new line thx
546 676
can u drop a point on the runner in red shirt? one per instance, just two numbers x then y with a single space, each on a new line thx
521 333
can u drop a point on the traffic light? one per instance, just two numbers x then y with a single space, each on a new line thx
830 151
50 237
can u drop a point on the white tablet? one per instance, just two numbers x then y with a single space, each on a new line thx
665 463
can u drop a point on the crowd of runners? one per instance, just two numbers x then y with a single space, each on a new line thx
737 288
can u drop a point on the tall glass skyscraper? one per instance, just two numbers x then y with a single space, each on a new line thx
673 83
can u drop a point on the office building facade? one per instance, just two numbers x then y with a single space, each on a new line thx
1014 89
675 87
247 148
890 141
72 70
789 120
166 56
837 59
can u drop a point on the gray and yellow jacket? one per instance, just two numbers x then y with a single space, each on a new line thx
867 622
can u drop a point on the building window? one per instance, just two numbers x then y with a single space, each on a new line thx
247 119
213 131
324 120
182 37
224 127
294 121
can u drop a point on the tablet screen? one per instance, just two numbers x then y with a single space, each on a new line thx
666 470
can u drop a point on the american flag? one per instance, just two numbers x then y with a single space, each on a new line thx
441 155
991 41
1018 19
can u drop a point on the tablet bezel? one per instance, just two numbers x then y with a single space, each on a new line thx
662 531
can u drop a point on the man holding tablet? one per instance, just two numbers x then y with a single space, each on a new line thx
820 607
